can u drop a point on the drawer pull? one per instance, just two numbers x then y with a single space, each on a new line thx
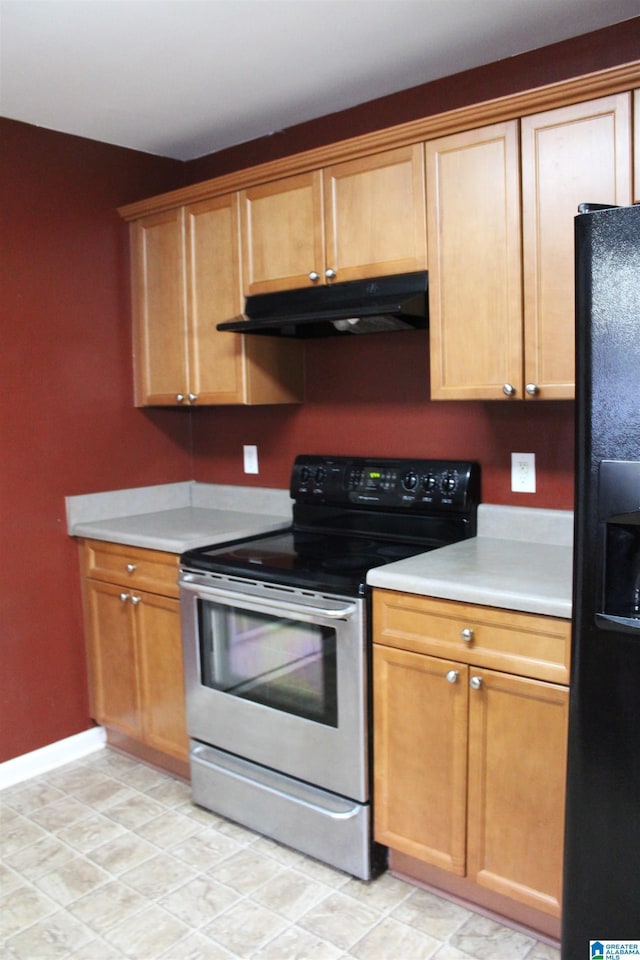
135 600
475 683
467 634
131 567
452 676
124 597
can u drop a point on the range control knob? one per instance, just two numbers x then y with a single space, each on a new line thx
320 474
448 483
409 480
305 473
429 483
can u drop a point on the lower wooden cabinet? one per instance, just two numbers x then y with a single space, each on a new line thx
134 651
470 762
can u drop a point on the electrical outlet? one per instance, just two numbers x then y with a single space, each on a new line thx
523 472
250 459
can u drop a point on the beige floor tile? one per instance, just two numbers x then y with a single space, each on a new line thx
125 852
199 901
74 879
542 951
204 849
61 814
20 908
168 829
17 832
292 894
170 793
390 940
484 939
246 870
104 794
383 894
30 797
197 947
159 875
340 920
296 943
148 934
53 938
91 832
107 906
434 915
40 857
245 928
135 811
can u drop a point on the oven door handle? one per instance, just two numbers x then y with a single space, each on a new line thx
335 613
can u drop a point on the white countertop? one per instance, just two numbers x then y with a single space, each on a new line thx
177 517
522 559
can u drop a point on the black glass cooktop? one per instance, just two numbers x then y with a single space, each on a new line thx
334 564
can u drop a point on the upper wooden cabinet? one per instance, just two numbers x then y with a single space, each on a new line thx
572 155
186 280
353 220
494 333
475 291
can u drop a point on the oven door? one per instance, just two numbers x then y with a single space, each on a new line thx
277 675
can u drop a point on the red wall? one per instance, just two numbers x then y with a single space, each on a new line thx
369 395
68 421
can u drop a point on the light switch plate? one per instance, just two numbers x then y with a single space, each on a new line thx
250 459
523 472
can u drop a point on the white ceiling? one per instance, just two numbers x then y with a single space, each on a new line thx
183 78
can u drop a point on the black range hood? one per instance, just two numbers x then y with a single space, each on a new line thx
379 305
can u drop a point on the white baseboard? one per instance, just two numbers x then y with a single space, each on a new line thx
51 756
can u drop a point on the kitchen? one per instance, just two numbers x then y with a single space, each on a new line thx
68 388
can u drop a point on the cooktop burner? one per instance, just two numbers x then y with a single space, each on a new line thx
349 516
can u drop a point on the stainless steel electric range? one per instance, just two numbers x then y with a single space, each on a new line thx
276 633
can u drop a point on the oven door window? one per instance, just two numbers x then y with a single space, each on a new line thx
282 663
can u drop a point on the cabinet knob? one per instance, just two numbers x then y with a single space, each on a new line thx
193 397
532 389
314 277
509 390
180 397
124 597
467 634
135 600
452 676
475 683
131 567
330 274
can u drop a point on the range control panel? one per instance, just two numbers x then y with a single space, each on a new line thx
386 483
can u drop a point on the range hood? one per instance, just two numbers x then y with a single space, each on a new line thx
379 305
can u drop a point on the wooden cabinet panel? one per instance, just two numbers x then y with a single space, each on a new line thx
159 308
570 155
111 656
214 294
475 299
134 568
522 643
517 766
420 757
161 674
134 646
282 234
469 763
374 210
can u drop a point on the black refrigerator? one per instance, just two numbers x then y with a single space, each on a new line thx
601 895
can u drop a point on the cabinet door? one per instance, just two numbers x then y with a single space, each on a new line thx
111 657
213 270
420 756
475 286
282 234
159 309
570 155
159 650
375 215
517 765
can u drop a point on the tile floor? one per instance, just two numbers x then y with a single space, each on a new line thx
107 859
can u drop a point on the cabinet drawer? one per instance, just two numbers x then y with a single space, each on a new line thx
522 643
133 567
